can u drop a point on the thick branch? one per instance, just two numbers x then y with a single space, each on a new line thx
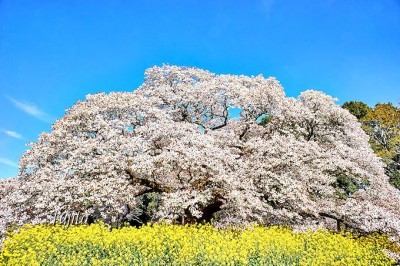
244 132
153 186
340 222
225 115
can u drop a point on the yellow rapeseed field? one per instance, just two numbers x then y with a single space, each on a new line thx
162 244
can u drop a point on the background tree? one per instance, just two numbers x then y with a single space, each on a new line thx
393 169
171 150
358 109
382 124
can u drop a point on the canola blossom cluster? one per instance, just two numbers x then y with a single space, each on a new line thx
190 146
162 244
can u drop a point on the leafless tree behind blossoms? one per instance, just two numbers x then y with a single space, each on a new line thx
172 150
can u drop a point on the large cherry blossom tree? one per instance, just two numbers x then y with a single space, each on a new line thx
188 146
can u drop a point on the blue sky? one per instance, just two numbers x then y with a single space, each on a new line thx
53 53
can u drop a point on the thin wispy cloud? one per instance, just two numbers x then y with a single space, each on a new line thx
8 162
266 5
12 134
32 110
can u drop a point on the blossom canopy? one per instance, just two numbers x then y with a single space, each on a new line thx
172 151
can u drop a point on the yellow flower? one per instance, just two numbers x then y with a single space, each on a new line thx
157 244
